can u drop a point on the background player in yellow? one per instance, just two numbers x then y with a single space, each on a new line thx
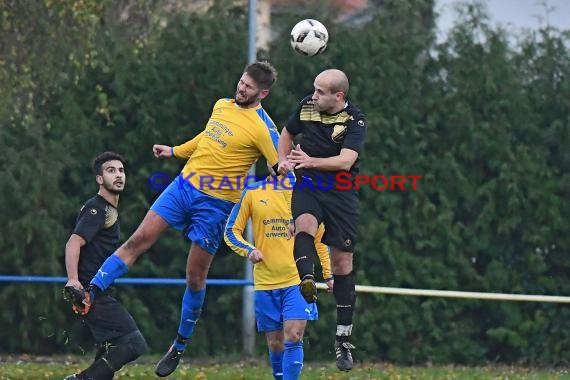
280 309
238 132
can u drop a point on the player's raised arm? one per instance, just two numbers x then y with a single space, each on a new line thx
183 151
162 151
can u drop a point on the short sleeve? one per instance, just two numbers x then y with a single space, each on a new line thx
354 139
90 221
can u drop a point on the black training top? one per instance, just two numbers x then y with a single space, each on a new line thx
98 224
325 135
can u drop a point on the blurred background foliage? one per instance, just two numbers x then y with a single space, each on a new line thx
482 115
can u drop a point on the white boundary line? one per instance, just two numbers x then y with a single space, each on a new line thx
457 294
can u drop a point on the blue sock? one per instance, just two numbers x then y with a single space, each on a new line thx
292 360
276 359
191 308
111 269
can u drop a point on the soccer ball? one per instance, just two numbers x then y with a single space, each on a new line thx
309 37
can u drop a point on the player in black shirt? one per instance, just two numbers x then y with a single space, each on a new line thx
333 132
94 238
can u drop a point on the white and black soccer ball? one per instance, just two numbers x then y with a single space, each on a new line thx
309 37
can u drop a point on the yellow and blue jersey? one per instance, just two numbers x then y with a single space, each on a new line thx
269 208
220 157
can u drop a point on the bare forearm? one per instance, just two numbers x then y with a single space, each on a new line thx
335 163
72 251
285 144
343 161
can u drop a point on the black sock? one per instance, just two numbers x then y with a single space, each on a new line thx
345 295
304 253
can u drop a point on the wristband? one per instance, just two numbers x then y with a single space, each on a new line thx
172 151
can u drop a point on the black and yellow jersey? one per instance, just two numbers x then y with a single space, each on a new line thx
324 135
98 224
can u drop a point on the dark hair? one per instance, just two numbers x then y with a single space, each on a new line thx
105 157
262 73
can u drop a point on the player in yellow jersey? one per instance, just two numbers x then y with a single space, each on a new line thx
199 201
280 309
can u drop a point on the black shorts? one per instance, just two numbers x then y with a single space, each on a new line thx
108 319
337 209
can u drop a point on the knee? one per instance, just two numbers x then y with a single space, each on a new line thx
196 279
126 349
293 335
341 264
306 223
341 269
275 345
137 343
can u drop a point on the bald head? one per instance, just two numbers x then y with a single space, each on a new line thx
334 80
331 87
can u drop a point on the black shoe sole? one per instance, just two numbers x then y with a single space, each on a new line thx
70 294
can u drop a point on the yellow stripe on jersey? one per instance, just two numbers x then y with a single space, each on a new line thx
308 113
221 156
270 212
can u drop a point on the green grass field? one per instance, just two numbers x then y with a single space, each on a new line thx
48 368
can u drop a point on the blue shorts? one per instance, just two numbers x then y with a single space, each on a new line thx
201 216
273 307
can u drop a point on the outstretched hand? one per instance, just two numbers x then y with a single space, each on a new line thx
162 151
